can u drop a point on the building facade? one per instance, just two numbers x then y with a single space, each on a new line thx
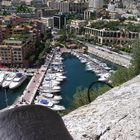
59 21
77 25
68 7
15 52
108 37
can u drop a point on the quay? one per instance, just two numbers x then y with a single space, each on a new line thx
31 89
65 50
122 60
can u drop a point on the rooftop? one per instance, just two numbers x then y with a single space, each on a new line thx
115 25
13 46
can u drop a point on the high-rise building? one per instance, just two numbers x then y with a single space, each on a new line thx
59 21
67 7
95 4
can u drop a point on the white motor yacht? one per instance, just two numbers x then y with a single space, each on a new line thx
48 95
48 90
43 102
104 77
51 87
40 97
2 76
50 83
18 80
54 82
57 108
8 79
50 105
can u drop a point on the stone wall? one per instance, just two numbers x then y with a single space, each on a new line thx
113 116
111 56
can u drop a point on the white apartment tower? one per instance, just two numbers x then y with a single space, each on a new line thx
95 5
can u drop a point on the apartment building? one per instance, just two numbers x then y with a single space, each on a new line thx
47 21
14 51
108 37
59 21
76 25
68 7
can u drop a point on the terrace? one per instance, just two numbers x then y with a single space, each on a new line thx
115 26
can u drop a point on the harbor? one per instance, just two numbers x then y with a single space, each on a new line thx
114 57
49 85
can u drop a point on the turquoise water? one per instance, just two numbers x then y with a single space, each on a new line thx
11 94
77 76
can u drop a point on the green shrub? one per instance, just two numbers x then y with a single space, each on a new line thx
136 56
81 97
122 75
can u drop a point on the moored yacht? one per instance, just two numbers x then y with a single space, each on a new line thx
8 79
18 80
2 76
57 108
43 102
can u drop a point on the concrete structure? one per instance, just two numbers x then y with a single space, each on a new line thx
68 7
15 51
47 21
78 7
48 12
111 7
61 6
6 3
31 89
37 3
77 25
25 16
59 21
110 37
94 6
39 26
122 60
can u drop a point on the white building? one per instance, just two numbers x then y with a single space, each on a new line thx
61 6
47 21
95 5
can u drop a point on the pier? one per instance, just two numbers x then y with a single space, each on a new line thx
31 89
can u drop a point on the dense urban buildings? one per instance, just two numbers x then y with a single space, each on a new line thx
77 15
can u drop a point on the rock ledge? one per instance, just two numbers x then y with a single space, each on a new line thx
112 116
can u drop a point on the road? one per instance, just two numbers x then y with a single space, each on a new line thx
120 59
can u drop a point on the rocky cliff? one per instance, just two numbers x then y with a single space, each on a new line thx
112 116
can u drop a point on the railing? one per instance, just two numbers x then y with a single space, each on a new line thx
93 83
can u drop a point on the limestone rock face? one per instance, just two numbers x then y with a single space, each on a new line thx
113 116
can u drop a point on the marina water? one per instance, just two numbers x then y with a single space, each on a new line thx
77 77
11 94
